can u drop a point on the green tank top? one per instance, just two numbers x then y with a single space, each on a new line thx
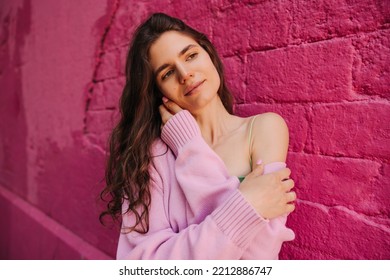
241 178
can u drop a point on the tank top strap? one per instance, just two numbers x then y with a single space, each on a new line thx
250 138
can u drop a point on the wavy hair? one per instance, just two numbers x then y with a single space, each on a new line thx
127 170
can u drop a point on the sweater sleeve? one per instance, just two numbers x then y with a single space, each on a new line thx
224 234
201 173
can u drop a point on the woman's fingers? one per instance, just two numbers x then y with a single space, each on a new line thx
165 114
284 173
258 170
291 196
171 106
269 194
288 184
290 207
168 109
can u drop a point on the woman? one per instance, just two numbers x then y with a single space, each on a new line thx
178 157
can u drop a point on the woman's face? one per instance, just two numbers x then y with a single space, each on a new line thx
184 71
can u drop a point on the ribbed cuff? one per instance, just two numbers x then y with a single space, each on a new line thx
179 130
238 220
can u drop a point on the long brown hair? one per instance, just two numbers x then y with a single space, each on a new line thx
127 171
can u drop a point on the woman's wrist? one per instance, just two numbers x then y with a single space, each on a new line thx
179 129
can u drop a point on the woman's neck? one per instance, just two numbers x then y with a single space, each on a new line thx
215 122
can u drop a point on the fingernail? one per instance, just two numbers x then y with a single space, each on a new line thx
165 99
259 162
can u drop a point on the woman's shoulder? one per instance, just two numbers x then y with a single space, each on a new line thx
269 120
269 124
270 136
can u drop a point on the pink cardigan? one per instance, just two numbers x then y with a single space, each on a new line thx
197 211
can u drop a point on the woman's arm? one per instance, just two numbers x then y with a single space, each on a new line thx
224 234
270 139
270 144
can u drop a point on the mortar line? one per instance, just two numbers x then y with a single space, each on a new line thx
361 217
98 57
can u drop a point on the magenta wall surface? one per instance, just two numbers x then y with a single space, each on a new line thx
323 65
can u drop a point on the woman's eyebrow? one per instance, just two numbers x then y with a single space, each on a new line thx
183 51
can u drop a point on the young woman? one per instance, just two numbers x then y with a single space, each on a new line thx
189 179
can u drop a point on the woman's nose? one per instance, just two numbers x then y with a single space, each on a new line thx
184 74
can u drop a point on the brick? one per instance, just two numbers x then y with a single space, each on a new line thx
321 20
186 12
314 72
268 23
113 89
383 181
235 77
108 67
200 18
371 72
359 129
202 24
97 100
292 251
337 233
126 19
294 115
384 8
106 94
231 34
352 183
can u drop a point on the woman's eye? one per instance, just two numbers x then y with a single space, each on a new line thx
166 75
192 56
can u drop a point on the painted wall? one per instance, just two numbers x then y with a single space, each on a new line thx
323 65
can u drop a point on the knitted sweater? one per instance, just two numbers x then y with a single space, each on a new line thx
197 211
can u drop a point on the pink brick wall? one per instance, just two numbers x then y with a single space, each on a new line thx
323 65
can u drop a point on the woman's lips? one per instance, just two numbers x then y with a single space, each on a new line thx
190 89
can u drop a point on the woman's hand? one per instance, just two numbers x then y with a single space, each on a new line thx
168 109
269 194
